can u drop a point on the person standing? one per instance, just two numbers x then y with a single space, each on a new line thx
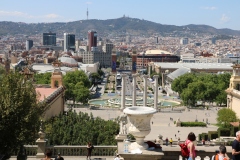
59 157
236 147
117 157
48 155
222 154
166 141
171 141
89 150
178 140
191 147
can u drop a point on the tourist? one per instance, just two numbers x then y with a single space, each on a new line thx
178 140
221 154
191 147
236 147
117 157
59 157
48 155
203 141
89 150
171 141
166 141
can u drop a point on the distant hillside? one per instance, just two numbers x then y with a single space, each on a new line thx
119 26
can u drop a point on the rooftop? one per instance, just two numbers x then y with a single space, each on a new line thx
156 51
45 92
195 65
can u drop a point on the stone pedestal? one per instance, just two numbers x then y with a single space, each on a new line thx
121 137
156 91
123 91
134 89
145 90
155 154
41 145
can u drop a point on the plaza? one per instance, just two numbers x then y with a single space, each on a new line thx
160 122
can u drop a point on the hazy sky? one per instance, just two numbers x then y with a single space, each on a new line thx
216 13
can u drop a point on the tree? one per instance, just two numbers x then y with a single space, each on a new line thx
79 128
20 112
43 78
71 82
82 94
100 72
182 82
95 77
204 87
225 116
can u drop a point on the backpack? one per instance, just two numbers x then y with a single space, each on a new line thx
184 150
92 147
215 157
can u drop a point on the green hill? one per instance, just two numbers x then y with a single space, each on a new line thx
119 26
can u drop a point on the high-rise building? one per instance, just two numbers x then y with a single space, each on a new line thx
69 42
213 40
77 44
29 44
92 40
49 39
184 41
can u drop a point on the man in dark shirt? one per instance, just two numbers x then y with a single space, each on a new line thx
236 147
59 157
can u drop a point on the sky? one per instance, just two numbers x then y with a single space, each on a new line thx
216 13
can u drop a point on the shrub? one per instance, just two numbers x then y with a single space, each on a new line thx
203 136
212 134
233 131
229 143
105 91
193 124
223 132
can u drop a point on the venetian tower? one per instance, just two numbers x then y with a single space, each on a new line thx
57 77
233 92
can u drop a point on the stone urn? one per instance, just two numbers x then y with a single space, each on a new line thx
140 118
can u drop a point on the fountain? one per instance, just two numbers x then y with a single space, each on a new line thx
139 118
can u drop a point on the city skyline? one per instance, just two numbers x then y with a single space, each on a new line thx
219 14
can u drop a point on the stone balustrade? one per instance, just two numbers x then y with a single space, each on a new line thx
170 153
31 150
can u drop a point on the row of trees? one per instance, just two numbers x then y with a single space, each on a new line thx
78 129
20 114
193 87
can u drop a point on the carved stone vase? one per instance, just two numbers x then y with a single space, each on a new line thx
140 126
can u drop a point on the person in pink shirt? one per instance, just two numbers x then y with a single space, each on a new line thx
191 147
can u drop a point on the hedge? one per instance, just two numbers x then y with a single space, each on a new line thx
223 132
212 134
203 136
233 131
193 124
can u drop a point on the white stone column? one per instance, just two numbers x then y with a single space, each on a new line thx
156 91
149 69
145 90
123 91
134 92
